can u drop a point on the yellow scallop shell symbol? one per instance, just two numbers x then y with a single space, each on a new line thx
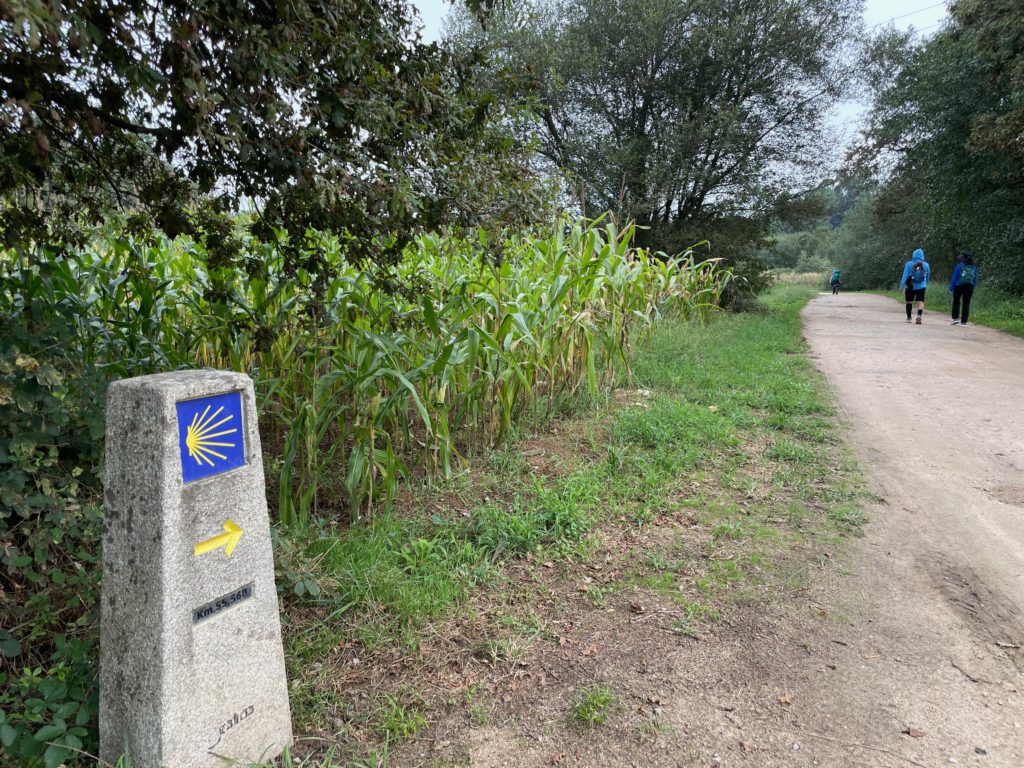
200 438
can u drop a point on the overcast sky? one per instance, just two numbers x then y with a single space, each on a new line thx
925 16
431 11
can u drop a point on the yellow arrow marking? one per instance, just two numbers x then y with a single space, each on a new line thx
228 540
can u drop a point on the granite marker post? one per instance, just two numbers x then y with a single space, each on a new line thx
191 662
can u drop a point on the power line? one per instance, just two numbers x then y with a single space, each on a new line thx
907 15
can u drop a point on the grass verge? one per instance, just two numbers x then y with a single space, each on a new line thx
715 473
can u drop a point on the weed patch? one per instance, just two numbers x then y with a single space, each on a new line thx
739 400
593 705
397 720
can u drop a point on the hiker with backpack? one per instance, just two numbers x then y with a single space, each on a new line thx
914 282
962 285
835 282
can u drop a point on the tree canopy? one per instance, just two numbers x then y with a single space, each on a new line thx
944 144
327 114
678 114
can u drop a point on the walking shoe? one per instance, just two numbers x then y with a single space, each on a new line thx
909 320
963 323
955 321
918 321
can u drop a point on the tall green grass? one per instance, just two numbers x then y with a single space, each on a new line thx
367 375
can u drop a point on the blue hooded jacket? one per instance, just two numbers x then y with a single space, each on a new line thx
922 280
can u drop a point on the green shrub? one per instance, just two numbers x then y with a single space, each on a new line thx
61 344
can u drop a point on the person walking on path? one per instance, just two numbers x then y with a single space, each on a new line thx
914 282
962 285
835 282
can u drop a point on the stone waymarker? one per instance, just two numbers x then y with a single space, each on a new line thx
191 663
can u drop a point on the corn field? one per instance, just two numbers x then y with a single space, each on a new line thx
360 379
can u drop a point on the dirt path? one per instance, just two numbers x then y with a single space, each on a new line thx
906 651
937 420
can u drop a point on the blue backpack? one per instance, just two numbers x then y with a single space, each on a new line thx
916 275
968 275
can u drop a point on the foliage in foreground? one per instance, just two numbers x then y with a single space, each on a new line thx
332 114
359 381
711 386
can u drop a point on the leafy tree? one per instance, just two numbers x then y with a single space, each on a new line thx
950 182
682 115
328 114
864 251
807 250
993 29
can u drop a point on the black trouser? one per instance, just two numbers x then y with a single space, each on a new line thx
835 288
965 292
